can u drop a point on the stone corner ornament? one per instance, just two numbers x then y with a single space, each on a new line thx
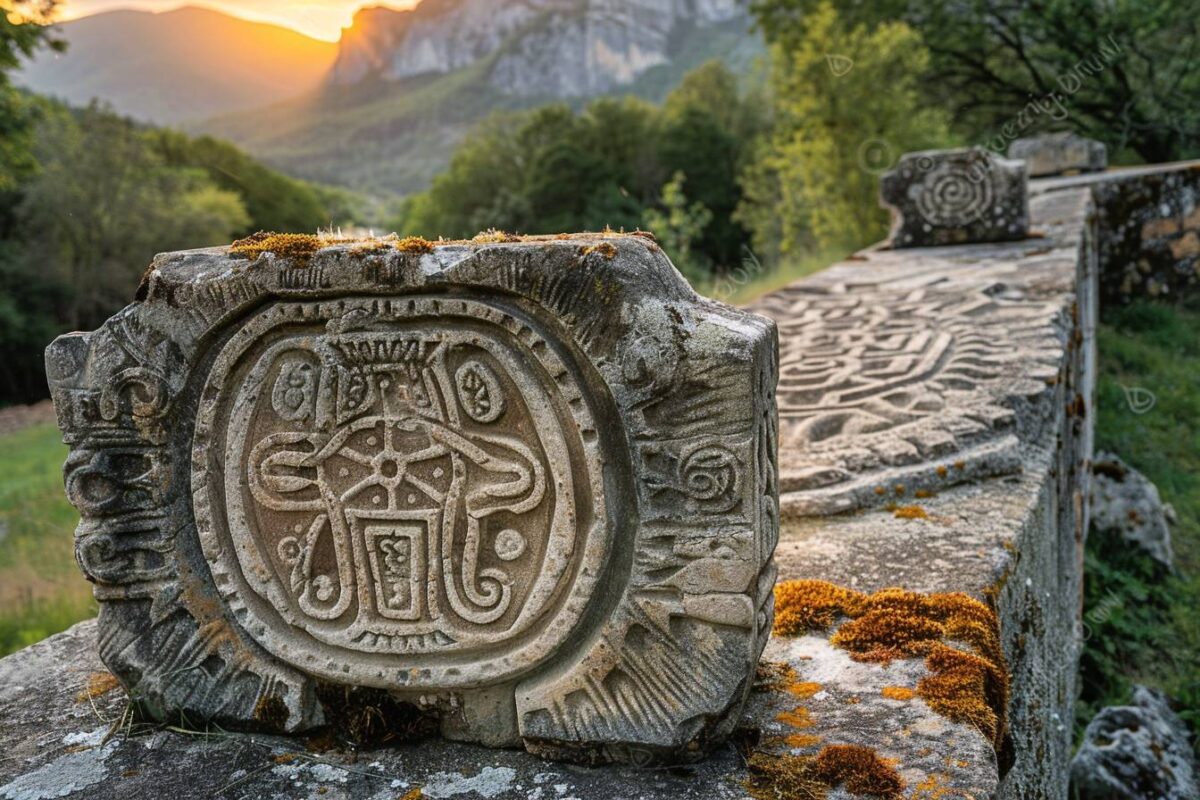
963 196
528 485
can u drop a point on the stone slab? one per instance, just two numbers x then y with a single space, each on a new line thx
526 485
960 196
1057 153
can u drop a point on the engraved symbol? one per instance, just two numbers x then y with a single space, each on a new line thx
709 476
429 501
479 392
510 544
295 391
1140 400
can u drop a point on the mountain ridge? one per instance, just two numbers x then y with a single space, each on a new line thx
165 67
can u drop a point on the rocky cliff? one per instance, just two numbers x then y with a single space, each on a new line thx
557 48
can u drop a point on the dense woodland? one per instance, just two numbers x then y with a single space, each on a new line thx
731 172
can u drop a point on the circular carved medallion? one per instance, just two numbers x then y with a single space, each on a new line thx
400 492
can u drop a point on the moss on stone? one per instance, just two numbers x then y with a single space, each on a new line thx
859 770
969 687
298 247
414 244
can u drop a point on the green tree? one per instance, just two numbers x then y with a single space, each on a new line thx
23 28
104 202
679 227
849 100
1121 71
273 201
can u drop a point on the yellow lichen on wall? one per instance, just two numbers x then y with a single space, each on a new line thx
910 512
964 686
900 693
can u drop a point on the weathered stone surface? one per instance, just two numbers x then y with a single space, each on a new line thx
1147 229
527 486
1124 502
945 197
1136 752
1056 153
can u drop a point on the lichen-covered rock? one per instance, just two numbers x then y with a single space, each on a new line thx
1125 503
944 197
526 485
1056 153
1136 752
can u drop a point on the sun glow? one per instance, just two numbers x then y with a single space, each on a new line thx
320 19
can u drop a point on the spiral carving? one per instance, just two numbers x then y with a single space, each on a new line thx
951 196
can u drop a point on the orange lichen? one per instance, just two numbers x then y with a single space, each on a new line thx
960 465
859 769
970 687
413 794
298 247
898 693
924 494
798 717
98 685
802 740
936 787
414 244
942 471
804 689
285 758
879 490
899 489
911 512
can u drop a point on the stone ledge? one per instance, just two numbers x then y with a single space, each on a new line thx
1012 539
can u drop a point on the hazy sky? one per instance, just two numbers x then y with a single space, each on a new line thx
322 19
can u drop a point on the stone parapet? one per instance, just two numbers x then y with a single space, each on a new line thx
935 408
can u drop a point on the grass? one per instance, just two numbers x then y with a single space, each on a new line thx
752 279
41 589
1144 625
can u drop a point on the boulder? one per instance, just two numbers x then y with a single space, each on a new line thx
1136 752
1125 503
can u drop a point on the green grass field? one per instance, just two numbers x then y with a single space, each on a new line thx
41 590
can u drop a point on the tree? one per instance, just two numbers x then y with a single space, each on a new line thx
848 101
679 226
1121 71
23 28
104 202
273 201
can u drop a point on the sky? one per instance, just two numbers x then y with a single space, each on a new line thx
321 19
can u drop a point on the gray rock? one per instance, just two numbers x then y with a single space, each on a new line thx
1056 153
1137 752
1124 502
539 48
524 486
945 197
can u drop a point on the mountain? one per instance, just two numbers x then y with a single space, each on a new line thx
407 85
178 66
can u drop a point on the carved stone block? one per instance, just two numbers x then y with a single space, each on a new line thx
945 197
1056 153
529 486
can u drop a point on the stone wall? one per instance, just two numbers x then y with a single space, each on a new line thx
1148 220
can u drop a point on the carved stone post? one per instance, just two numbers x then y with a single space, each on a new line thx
527 485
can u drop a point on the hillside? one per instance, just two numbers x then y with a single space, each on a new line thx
387 122
178 66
